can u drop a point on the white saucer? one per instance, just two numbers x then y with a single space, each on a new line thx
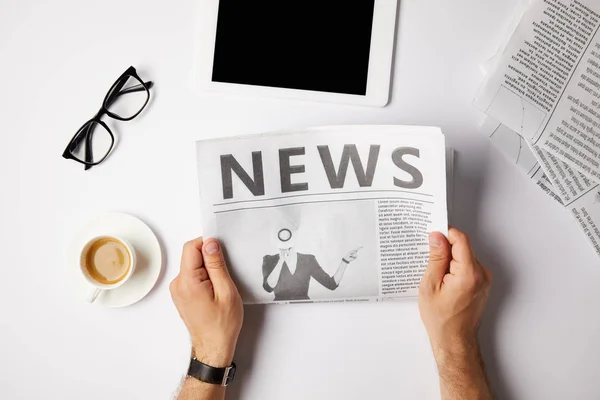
148 253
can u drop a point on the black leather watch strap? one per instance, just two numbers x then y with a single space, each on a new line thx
208 374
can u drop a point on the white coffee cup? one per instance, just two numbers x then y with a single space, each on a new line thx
96 286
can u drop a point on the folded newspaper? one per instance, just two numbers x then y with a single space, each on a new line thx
325 214
542 99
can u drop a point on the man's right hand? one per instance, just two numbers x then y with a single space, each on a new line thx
208 302
211 308
452 296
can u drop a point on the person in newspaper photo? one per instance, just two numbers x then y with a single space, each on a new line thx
452 297
288 273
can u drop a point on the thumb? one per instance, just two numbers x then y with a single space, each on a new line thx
216 267
439 259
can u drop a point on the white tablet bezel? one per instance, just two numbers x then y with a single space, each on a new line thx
380 61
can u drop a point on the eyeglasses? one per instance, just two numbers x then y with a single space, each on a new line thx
125 100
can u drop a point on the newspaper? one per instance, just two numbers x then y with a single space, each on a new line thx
325 214
542 99
546 84
579 195
516 149
449 182
516 16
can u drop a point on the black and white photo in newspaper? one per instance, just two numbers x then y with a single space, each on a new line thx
325 214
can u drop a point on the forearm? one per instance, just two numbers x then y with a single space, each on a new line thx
273 277
462 374
339 274
193 389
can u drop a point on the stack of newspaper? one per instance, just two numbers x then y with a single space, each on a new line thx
541 96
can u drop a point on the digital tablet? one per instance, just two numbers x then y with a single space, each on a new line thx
324 50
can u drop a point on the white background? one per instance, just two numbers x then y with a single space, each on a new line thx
58 58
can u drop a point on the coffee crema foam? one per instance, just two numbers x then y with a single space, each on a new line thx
107 260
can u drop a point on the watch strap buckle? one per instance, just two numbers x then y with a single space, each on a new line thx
228 375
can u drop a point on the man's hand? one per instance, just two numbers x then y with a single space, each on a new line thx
208 302
352 255
452 297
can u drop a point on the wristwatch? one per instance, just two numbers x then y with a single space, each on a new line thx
208 374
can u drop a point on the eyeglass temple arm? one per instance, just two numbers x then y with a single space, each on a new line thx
118 92
88 146
137 88
115 93
77 141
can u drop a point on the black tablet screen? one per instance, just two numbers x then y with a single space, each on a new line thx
320 45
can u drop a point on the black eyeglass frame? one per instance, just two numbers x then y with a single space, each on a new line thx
113 93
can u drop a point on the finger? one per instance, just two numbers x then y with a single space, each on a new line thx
455 267
174 286
488 276
461 247
216 267
439 259
450 279
202 274
191 258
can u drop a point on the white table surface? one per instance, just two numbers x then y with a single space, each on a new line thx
57 60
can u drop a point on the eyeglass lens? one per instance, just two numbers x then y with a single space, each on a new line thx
97 137
127 97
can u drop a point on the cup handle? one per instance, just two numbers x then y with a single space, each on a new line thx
92 295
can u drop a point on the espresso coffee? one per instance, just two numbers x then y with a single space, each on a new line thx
107 260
